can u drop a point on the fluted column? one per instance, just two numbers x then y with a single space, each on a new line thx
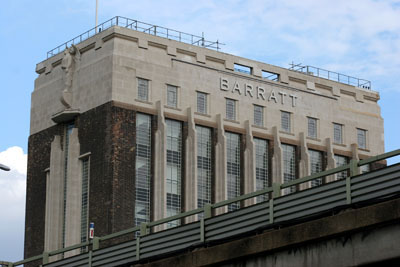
191 166
160 155
249 164
220 165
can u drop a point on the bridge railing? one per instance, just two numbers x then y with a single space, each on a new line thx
275 192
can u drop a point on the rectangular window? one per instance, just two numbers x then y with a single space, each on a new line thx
285 121
242 68
258 115
172 96
142 168
312 127
341 161
270 76
204 171
230 109
261 151
202 102
85 200
143 89
174 169
362 138
289 166
315 165
338 133
233 167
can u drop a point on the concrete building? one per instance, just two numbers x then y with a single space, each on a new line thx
129 127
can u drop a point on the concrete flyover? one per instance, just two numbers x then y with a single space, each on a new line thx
366 235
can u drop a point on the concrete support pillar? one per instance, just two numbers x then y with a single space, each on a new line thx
354 154
191 166
277 160
330 162
249 164
221 192
54 198
74 195
304 162
160 165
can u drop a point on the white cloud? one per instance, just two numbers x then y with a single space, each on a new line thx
12 203
359 37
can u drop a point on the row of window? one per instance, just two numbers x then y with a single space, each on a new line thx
174 164
312 123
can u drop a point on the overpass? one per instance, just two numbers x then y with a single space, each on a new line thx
349 222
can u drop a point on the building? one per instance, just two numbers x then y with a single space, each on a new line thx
129 127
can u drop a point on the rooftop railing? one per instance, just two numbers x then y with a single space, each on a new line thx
138 26
276 208
331 75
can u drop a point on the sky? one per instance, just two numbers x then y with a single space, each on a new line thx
360 38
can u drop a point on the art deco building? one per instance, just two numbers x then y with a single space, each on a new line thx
130 127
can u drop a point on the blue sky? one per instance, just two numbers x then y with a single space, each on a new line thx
359 38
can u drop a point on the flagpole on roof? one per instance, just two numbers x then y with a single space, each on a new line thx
97 3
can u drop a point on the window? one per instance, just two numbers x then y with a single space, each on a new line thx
174 169
270 75
289 166
84 200
285 121
233 167
172 96
142 168
258 115
242 68
143 89
261 151
315 165
202 102
203 165
338 133
230 109
312 127
362 138
340 161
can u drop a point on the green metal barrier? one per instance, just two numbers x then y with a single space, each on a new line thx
275 192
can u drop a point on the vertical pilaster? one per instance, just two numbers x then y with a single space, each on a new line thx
354 154
304 163
74 194
160 156
190 192
54 198
220 165
330 162
277 160
249 164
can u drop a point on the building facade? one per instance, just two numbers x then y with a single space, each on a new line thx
128 127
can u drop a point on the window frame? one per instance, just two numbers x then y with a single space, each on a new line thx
341 126
234 111
315 127
261 112
205 106
173 104
289 121
364 137
139 97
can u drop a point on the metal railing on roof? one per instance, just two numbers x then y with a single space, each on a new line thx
331 75
138 26
277 208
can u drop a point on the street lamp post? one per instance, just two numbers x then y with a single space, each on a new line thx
4 167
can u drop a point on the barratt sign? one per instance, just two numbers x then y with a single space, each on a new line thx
258 92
